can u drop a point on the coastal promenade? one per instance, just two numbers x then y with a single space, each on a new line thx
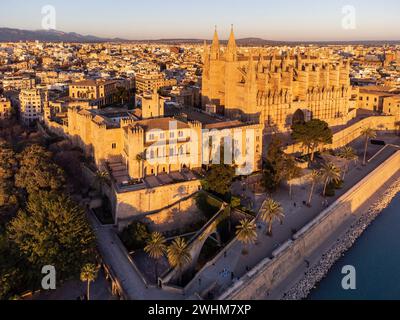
296 218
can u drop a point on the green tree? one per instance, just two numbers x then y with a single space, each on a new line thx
368 134
38 171
330 173
102 177
156 249
53 230
89 274
348 154
246 233
270 212
312 135
274 171
135 235
315 179
8 167
179 255
15 274
219 179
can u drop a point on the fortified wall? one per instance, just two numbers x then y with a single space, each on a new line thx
134 205
273 270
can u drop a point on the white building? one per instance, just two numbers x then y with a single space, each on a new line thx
31 105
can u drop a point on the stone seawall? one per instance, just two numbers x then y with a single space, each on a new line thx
302 289
270 273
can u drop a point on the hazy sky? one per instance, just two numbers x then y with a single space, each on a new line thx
155 19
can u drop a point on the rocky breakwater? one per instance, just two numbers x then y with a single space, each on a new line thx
316 273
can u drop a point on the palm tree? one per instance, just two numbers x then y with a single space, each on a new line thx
139 159
269 212
246 233
348 154
368 133
179 255
292 171
330 173
102 177
315 178
156 248
89 274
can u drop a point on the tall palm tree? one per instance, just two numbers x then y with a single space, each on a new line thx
368 134
330 173
315 178
246 233
348 154
292 171
156 248
102 177
89 274
179 255
269 212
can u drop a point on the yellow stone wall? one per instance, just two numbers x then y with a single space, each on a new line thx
272 88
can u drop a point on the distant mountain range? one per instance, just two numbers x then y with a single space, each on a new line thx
16 35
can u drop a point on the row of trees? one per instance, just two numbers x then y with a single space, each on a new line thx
40 223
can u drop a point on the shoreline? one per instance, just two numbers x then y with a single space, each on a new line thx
302 289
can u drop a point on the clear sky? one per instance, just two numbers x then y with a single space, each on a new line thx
156 19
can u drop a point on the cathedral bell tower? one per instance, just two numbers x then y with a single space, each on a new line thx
231 50
215 48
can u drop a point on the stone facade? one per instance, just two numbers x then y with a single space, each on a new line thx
275 88
99 92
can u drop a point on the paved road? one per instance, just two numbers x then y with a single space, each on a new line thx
129 277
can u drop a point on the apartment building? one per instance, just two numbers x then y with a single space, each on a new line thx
31 105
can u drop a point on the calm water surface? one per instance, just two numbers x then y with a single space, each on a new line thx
376 257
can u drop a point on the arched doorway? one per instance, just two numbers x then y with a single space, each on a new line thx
298 117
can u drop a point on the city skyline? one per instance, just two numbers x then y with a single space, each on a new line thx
285 21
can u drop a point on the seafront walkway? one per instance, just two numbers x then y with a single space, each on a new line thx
222 272
226 269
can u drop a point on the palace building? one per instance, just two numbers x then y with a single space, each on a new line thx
275 87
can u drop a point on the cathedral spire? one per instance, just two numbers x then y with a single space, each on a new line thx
231 49
215 49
